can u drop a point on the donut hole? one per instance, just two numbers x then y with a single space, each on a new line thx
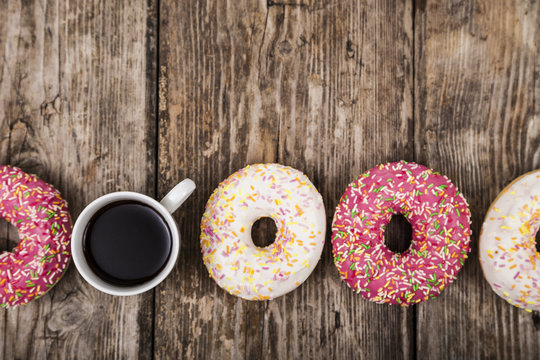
537 240
263 232
9 235
398 234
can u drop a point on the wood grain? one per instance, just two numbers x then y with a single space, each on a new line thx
304 84
100 96
74 109
477 121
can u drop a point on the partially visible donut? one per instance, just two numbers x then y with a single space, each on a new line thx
440 220
263 190
508 253
43 252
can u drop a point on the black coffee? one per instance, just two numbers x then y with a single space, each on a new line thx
127 243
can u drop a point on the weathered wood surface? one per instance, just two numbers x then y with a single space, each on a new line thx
99 96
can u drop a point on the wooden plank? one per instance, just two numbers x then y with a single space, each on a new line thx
477 122
76 108
325 87
211 123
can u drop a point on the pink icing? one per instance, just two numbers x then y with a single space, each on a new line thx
43 253
440 219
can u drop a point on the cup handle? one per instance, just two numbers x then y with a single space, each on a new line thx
178 195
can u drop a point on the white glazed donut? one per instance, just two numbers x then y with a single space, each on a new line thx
508 255
264 190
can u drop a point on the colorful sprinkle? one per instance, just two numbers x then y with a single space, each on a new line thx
508 246
34 265
440 237
263 190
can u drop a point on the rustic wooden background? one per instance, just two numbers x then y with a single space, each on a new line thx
98 96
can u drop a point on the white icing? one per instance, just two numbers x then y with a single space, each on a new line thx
508 256
264 190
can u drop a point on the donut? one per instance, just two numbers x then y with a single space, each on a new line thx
440 220
263 190
508 255
41 216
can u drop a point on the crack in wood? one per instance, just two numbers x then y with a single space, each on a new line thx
270 3
49 108
536 320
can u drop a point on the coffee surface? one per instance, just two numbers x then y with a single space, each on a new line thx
127 243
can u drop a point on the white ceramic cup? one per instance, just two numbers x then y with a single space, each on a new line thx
165 208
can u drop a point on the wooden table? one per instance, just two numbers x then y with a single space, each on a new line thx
99 96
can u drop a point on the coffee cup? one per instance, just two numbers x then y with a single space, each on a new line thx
99 254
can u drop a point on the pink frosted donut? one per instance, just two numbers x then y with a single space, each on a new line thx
440 220
43 252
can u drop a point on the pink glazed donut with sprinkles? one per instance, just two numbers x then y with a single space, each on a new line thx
43 252
263 190
440 220
508 253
